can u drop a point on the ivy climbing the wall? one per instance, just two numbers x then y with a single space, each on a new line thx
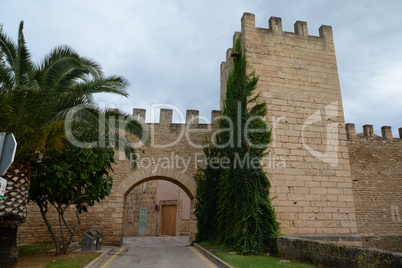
234 208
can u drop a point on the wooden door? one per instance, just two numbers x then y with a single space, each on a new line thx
169 220
143 220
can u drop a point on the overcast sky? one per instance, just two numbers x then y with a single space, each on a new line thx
171 51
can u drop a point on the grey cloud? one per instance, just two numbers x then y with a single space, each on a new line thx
171 50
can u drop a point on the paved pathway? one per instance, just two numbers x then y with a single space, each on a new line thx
155 252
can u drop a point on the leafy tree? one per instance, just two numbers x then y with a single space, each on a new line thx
206 210
78 177
35 100
240 210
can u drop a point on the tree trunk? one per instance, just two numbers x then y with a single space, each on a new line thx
49 227
8 246
13 210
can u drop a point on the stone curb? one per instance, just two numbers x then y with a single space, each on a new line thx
217 261
95 263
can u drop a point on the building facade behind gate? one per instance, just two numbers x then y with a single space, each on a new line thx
327 180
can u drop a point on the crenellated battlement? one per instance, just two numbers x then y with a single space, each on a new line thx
323 184
166 117
294 60
275 27
368 132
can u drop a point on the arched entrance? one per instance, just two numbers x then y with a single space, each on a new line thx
184 182
156 207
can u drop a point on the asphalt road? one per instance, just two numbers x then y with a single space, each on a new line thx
155 252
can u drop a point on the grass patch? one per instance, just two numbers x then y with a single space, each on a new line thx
251 261
30 250
38 256
76 262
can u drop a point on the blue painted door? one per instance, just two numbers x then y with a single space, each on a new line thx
143 220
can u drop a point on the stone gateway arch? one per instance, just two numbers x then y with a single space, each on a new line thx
324 176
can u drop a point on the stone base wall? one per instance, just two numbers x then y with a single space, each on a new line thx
342 239
393 243
328 254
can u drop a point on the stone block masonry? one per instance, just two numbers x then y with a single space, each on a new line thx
169 152
327 254
376 165
298 79
326 180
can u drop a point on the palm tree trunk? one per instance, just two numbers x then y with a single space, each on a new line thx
8 246
13 210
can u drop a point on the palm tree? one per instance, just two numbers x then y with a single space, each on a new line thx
34 102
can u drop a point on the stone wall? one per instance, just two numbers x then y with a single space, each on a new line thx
144 195
309 157
149 194
322 181
376 163
103 218
169 151
327 254
34 229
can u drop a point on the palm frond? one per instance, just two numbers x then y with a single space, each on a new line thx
56 54
9 48
52 136
22 65
64 57
36 100
6 78
111 84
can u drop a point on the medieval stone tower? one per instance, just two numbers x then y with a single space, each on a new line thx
298 78
326 180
